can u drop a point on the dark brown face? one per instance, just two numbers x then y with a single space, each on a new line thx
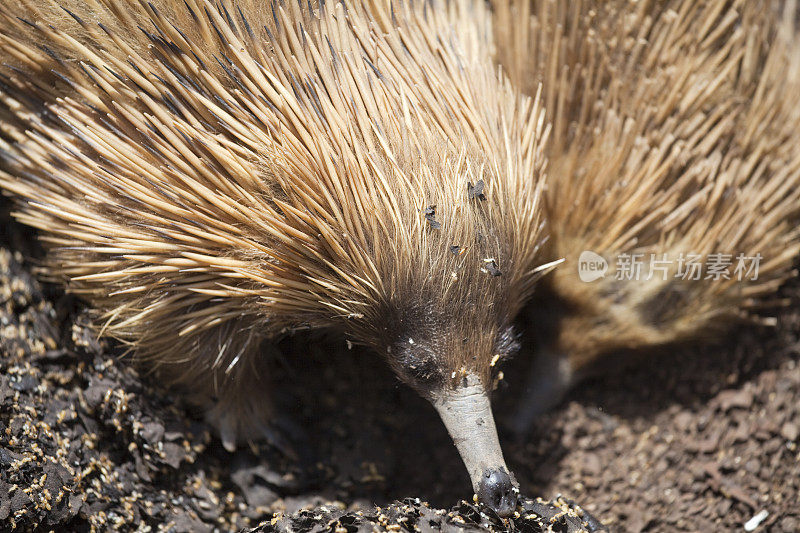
428 355
447 356
444 340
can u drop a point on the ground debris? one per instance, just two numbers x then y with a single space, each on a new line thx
697 439
411 514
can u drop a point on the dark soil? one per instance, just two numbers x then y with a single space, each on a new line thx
700 439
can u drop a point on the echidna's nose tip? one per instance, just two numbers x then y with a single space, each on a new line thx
498 490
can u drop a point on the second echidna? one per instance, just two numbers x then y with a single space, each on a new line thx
211 175
674 163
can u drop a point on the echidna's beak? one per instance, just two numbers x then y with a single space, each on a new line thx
467 414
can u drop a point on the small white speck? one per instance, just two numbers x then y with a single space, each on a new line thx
410 340
754 522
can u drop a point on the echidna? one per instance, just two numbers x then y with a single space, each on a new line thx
213 174
674 162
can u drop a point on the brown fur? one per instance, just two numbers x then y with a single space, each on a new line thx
674 131
234 171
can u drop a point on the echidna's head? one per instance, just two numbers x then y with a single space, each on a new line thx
448 354
449 288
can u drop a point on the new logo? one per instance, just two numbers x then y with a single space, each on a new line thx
591 266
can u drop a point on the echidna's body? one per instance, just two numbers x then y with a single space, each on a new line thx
209 175
675 142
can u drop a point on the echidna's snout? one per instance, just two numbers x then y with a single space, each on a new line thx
467 414
498 490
